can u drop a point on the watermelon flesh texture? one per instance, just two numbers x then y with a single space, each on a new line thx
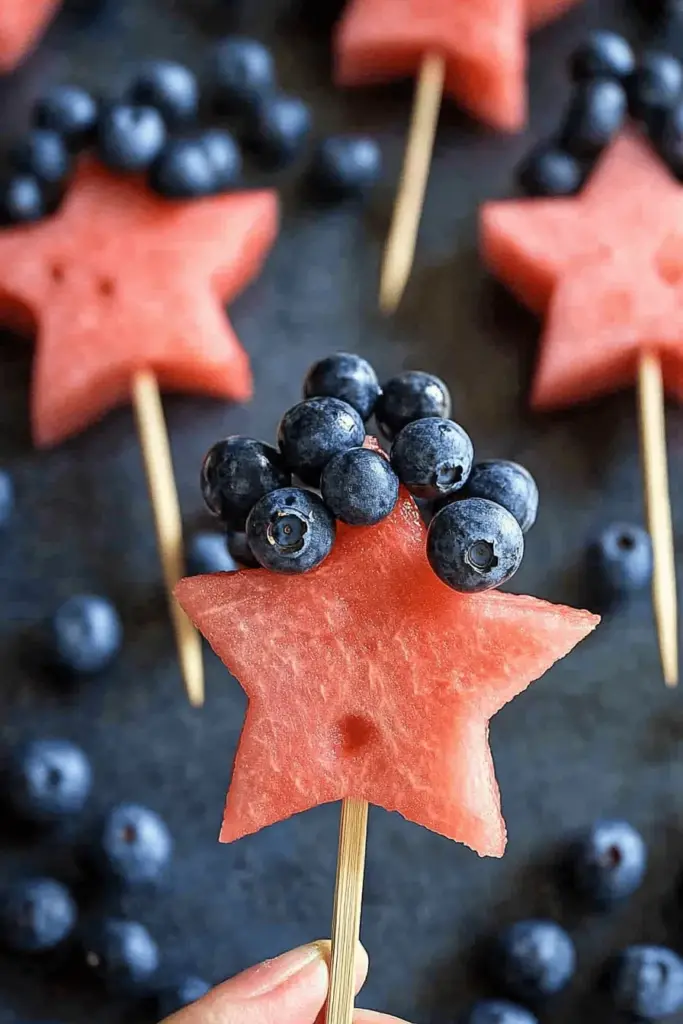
21 25
368 678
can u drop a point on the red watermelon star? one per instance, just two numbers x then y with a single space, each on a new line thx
21 24
120 280
483 42
369 678
604 268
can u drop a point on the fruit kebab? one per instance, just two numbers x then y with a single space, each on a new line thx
21 24
604 267
475 52
373 651
124 280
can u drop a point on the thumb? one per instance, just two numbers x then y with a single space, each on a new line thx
291 989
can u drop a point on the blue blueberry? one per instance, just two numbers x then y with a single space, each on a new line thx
43 153
224 156
432 457
134 846
509 485
359 487
347 377
207 552
241 73
121 954
596 114
290 530
533 960
603 55
345 165
238 548
22 200
656 86
182 993
236 472
36 914
185 169
6 498
84 635
619 563
130 138
607 863
474 545
550 171
69 110
48 780
646 982
278 129
169 87
413 395
497 1011
311 432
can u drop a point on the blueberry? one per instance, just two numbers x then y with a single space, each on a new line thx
22 200
607 863
359 487
347 377
496 1011
208 552
6 498
603 55
667 135
656 85
509 485
84 635
121 954
410 396
48 780
596 114
238 547
278 129
532 960
432 457
290 530
313 431
474 545
134 845
236 472
36 914
646 982
69 110
130 138
241 72
44 154
184 170
182 993
224 156
345 165
619 563
169 87
550 171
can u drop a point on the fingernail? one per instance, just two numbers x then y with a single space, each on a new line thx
266 977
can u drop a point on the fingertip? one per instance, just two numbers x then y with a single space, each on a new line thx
362 962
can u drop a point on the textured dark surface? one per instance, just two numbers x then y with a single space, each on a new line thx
599 735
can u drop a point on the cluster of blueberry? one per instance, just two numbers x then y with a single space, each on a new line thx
47 783
479 513
609 84
158 128
533 960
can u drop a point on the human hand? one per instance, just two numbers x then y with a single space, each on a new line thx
291 989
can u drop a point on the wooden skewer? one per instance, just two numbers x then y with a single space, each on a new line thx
348 895
156 453
400 248
658 509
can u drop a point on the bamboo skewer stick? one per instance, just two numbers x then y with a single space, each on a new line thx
400 248
658 510
348 896
156 453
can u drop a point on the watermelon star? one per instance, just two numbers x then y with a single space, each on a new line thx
483 42
119 281
606 270
21 23
368 678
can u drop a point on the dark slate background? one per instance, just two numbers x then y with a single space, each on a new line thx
599 735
